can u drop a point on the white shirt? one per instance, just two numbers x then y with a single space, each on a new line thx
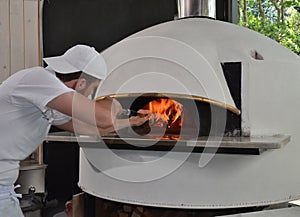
24 117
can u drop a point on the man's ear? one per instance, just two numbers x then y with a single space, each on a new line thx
81 84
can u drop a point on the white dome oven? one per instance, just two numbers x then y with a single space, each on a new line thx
226 132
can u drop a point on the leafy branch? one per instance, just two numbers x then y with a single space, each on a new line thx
277 19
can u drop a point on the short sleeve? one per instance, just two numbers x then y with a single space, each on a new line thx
38 87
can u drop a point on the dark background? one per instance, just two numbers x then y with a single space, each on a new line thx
101 23
98 23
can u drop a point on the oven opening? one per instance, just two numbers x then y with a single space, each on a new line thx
180 117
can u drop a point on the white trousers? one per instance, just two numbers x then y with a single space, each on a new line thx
9 203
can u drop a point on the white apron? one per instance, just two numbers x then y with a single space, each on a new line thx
9 203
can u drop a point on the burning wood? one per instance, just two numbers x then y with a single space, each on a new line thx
167 112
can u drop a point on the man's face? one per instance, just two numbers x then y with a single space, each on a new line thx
90 90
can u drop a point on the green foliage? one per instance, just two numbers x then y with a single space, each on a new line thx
277 19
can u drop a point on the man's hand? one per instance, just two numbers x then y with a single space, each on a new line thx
141 117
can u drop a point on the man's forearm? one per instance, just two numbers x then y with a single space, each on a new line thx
82 128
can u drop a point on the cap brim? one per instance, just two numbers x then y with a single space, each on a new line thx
60 65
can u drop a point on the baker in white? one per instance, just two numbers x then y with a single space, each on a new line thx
33 99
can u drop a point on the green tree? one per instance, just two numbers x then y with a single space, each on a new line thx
277 19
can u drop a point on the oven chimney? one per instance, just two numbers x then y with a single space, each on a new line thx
190 8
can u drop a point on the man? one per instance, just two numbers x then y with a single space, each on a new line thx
33 99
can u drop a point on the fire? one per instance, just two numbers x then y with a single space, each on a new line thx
166 111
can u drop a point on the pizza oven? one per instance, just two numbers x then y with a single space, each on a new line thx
225 126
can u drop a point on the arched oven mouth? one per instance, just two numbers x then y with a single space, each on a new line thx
181 115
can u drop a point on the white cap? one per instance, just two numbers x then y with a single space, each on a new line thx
79 58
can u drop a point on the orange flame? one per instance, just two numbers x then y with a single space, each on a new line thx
166 111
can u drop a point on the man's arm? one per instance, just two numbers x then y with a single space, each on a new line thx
79 107
87 114
82 128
